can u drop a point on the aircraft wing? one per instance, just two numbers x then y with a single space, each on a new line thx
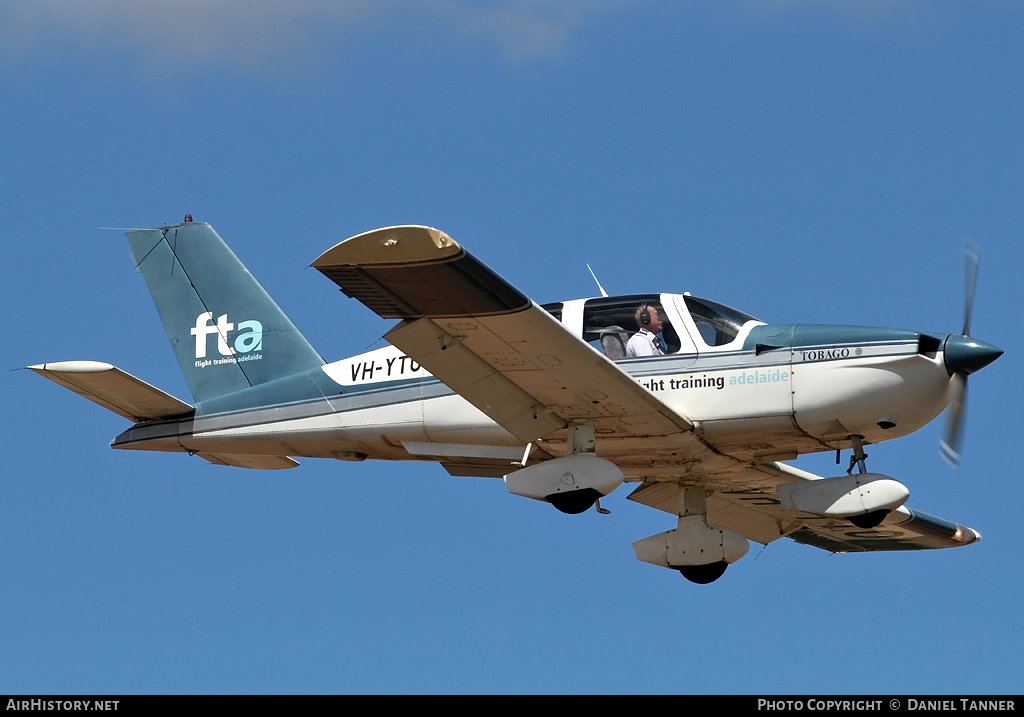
746 501
491 344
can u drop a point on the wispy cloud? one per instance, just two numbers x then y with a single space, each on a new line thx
259 32
521 28
861 12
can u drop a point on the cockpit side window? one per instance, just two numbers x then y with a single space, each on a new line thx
718 324
609 322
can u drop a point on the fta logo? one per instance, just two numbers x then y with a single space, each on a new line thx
250 340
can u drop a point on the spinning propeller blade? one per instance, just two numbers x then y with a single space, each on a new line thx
970 276
949 445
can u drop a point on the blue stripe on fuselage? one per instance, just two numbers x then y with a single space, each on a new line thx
313 393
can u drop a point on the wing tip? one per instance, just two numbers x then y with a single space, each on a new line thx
72 367
966 535
402 244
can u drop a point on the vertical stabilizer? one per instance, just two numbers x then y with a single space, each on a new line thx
226 331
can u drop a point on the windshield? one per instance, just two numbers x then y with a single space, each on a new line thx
718 324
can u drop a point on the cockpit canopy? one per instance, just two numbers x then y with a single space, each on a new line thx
608 322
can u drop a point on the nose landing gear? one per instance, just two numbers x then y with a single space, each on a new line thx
873 519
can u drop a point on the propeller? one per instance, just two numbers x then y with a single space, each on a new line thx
949 445
970 278
952 439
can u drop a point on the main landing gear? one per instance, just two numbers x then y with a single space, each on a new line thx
699 550
572 484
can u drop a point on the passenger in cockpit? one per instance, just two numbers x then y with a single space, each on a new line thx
647 341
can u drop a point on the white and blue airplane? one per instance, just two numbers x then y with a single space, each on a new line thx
484 381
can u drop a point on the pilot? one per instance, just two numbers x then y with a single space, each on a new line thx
647 341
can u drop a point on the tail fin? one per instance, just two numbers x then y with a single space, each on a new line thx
226 331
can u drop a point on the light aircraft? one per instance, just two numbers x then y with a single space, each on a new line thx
484 381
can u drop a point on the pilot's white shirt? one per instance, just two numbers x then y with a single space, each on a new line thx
643 343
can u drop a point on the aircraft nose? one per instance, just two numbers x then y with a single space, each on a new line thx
963 353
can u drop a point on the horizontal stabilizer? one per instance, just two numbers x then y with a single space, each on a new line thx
114 389
262 463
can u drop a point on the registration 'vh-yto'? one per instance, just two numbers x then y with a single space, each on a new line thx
696 403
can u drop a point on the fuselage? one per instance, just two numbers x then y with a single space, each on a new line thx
754 392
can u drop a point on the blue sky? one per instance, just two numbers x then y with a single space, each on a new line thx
803 161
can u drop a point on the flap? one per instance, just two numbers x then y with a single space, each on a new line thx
114 389
263 463
488 342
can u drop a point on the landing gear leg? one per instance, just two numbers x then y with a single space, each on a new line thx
859 456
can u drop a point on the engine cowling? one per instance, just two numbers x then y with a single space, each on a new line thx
553 481
849 495
693 542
